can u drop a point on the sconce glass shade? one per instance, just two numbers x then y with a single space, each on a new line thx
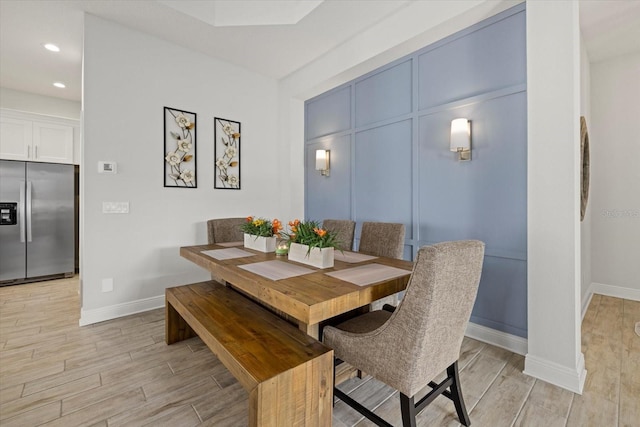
461 138
322 162
460 135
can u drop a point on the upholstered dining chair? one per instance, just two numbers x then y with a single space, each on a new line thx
225 230
382 239
344 229
409 347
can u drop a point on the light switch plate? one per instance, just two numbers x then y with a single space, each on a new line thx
107 167
115 207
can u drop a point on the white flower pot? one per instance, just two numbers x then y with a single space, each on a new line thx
260 243
320 258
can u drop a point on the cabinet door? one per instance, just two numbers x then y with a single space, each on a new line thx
15 139
52 143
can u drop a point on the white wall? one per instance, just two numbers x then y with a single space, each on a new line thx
23 101
553 102
585 226
615 195
128 78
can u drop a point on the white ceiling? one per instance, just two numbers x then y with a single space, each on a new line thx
230 13
306 30
610 28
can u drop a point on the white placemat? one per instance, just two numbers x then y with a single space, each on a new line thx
230 244
227 253
351 257
368 274
276 270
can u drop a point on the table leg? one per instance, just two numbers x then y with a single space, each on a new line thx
176 329
218 279
311 330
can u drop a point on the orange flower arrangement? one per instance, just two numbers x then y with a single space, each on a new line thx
262 227
311 234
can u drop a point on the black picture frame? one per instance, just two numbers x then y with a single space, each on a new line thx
227 134
180 148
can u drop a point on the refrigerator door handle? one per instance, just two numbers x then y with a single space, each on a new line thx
21 212
28 213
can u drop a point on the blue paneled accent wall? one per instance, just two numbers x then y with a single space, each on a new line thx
388 132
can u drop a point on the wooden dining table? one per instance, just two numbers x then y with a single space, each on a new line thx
310 298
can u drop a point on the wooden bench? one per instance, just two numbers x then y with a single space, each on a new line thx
288 374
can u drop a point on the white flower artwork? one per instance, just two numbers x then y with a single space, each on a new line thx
184 145
173 159
227 154
222 163
230 152
179 148
187 176
232 180
182 121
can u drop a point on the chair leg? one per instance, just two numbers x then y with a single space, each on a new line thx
456 395
336 362
408 409
388 307
376 419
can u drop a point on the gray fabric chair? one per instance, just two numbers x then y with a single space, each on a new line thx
222 230
410 347
382 239
225 230
344 229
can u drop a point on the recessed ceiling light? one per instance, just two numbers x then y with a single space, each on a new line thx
52 47
60 85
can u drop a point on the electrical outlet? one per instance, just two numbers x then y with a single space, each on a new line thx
115 207
107 285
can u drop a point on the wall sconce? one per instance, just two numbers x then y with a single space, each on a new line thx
322 162
461 138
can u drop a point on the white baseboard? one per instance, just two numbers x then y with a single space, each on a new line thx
87 317
610 291
586 300
615 291
553 373
500 339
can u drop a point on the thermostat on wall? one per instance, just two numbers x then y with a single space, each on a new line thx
107 167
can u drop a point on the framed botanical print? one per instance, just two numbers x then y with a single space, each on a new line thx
227 154
179 148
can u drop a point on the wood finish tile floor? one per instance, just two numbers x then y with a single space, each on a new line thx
120 373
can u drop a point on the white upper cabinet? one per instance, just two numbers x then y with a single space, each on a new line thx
52 143
36 139
15 139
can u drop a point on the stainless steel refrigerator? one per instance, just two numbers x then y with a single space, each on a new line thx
37 238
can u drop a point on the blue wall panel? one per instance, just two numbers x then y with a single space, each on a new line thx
330 113
329 197
384 95
500 303
485 198
383 178
491 58
392 161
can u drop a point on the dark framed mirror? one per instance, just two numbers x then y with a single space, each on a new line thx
584 171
